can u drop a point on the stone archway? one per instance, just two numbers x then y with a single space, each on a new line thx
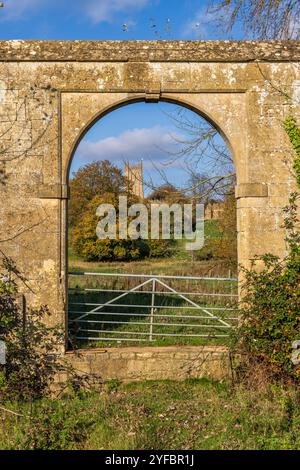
51 92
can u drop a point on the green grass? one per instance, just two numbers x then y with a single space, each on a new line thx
182 262
176 266
194 414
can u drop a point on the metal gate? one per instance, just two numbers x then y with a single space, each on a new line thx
115 308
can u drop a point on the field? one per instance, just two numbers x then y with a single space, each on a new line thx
195 414
181 263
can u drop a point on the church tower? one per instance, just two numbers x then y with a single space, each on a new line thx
134 174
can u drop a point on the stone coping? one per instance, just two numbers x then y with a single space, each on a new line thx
149 51
152 349
129 364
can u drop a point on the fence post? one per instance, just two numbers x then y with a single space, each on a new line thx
152 308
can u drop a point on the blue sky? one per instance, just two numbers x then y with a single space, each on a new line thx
135 131
147 132
109 19
139 131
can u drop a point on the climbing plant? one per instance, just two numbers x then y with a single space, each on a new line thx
293 132
270 317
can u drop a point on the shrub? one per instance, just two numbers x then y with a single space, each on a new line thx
206 253
270 320
226 244
88 246
160 248
32 360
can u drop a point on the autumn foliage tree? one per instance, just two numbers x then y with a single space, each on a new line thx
167 193
221 234
91 180
102 183
88 246
226 245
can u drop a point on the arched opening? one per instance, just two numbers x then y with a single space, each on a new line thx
130 283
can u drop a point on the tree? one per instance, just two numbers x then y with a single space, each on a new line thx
91 180
226 246
88 246
201 148
263 19
221 234
167 193
205 189
204 149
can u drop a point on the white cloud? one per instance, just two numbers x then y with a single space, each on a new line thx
105 10
96 10
149 143
14 9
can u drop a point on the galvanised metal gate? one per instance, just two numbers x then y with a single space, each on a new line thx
114 307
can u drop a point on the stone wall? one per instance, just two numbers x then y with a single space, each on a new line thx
51 92
152 363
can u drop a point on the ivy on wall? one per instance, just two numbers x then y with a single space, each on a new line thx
293 131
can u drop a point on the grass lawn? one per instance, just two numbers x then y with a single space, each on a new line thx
170 266
194 414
